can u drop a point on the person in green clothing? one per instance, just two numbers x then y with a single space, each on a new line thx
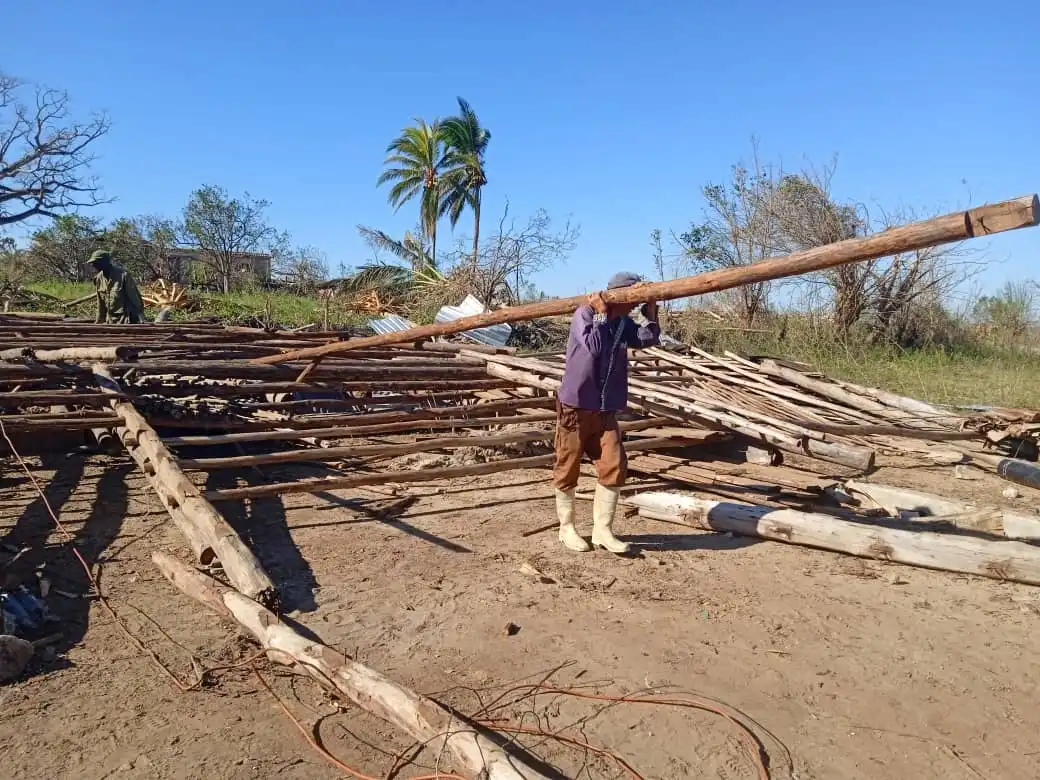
118 299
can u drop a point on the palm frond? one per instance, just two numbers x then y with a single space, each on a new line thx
391 281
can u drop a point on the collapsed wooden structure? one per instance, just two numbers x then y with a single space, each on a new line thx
771 439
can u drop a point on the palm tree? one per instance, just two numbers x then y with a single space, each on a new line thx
415 160
410 249
405 282
466 141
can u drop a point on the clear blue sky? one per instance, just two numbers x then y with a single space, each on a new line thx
612 112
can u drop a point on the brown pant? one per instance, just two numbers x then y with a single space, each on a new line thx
596 434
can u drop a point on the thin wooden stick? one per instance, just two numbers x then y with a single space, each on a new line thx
388 450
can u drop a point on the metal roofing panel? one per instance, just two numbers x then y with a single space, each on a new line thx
391 323
492 335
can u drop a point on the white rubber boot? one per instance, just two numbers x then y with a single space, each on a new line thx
565 511
603 508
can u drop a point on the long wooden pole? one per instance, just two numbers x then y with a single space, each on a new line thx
985 220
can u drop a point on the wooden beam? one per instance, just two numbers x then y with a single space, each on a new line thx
70 354
369 420
985 220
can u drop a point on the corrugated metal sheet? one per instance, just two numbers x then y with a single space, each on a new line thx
492 336
391 323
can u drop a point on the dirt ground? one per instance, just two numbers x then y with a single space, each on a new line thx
862 669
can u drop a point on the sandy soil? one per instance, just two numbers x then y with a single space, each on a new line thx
862 669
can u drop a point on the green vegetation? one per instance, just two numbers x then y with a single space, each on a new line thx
239 308
61 289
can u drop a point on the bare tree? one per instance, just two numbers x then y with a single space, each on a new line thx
301 268
45 155
223 228
512 254
145 246
161 259
898 299
1009 314
807 216
739 229
911 290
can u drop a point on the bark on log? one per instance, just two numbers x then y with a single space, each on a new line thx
985 220
425 475
1017 471
208 533
1013 561
423 719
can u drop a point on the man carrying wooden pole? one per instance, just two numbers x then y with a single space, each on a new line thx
594 389
960 225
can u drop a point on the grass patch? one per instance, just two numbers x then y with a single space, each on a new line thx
236 308
66 291
979 375
970 375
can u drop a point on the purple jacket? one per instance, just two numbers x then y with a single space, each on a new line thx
596 376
